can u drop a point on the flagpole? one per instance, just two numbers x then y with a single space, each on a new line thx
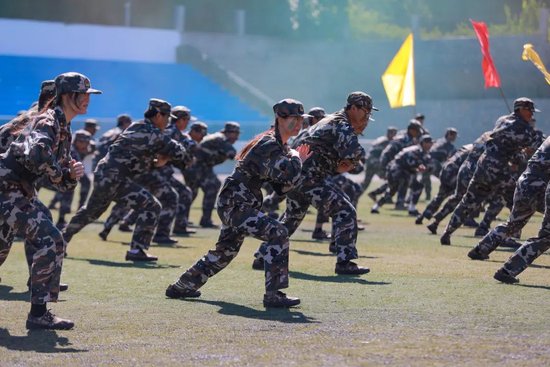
504 98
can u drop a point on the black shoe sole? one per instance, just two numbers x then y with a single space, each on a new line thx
33 326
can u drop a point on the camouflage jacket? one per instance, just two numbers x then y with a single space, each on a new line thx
539 163
12 129
511 135
267 161
189 144
394 147
106 140
442 150
331 140
42 150
410 158
456 160
135 149
377 147
214 149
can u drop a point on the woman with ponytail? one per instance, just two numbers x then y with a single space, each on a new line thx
267 158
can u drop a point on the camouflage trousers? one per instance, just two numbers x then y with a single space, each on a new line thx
329 199
446 189
373 168
237 224
44 243
528 197
351 189
397 179
463 178
185 198
488 176
65 199
533 247
112 185
205 179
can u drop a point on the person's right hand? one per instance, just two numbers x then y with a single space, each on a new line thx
304 151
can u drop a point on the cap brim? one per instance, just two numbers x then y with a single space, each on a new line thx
94 91
536 110
173 116
374 109
371 119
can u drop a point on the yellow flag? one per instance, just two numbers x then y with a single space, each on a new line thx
529 53
398 79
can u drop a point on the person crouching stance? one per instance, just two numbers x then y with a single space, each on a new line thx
267 158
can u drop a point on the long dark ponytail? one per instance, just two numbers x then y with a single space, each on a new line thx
257 138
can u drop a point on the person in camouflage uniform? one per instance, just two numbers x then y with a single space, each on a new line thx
42 151
528 198
109 137
505 144
533 247
267 158
465 173
214 149
9 132
173 195
447 182
406 163
401 141
137 150
336 149
373 166
272 199
442 150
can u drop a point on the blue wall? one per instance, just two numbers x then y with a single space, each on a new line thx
127 87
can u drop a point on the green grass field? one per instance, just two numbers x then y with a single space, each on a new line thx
423 304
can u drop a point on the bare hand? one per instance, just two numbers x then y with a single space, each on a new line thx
345 166
421 168
161 160
304 151
76 169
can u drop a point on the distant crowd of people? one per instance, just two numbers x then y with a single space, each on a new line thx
152 170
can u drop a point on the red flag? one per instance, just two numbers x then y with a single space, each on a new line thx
492 79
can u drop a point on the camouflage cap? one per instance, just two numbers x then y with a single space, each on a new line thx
392 129
419 116
47 88
91 123
199 126
451 130
524 102
288 107
426 139
82 135
414 124
317 112
161 106
181 112
360 99
73 83
123 119
231 127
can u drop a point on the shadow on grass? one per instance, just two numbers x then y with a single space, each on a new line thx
326 254
40 341
286 315
334 278
162 245
127 264
533 286
6 294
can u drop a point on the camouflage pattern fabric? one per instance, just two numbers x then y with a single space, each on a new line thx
441 150
132 153
214 149
533 247
447 179
528 198
373 166
504 145
401 169
331 140
41 151
239 205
